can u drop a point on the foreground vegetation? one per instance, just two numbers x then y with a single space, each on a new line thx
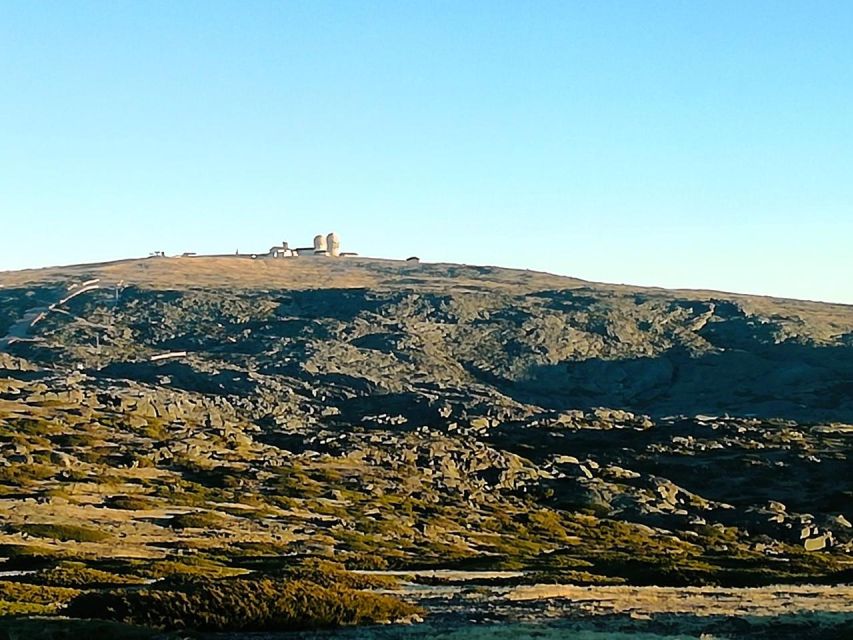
241 605
308 595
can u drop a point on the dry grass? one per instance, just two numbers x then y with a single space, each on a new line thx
298 273
698 601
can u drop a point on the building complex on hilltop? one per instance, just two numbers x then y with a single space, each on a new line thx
329 245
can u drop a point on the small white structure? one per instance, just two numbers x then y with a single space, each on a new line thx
329 245
333 244
319 245
284 251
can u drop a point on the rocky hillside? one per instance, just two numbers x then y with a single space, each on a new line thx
229 413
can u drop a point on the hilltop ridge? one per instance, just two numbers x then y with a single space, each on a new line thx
551 340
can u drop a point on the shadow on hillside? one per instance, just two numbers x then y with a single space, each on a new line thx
726 474
786 380
338 304
181 376
16 301
414 407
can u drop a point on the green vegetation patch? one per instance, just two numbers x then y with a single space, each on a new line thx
240 604
22 474
328 574
63 532
197 520
17 599
77 574
193 567
131 503
35 594
12 608
14 551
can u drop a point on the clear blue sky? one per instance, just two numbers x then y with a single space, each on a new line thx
680 143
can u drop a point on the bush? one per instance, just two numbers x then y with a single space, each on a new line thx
12 608
366 561
28 557
173 570
77 574
196 520
64 532
26 599
327 574
12 551
240 604
35 594
131 503
23 474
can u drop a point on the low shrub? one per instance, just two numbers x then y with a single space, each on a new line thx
68 440
366 561
241 605
261 549
35 594
172 569
12 551
196 520
13 608
130 503
77 574
23 557
63 532
327 574
18 599
23 474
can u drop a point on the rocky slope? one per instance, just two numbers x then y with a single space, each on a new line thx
227 414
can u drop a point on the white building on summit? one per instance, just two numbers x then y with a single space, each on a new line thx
333 244
329 245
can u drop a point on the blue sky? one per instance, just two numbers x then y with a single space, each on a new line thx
679 144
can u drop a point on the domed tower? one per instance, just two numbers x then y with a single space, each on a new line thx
333 244
319 244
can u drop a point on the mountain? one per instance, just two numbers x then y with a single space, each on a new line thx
215 415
